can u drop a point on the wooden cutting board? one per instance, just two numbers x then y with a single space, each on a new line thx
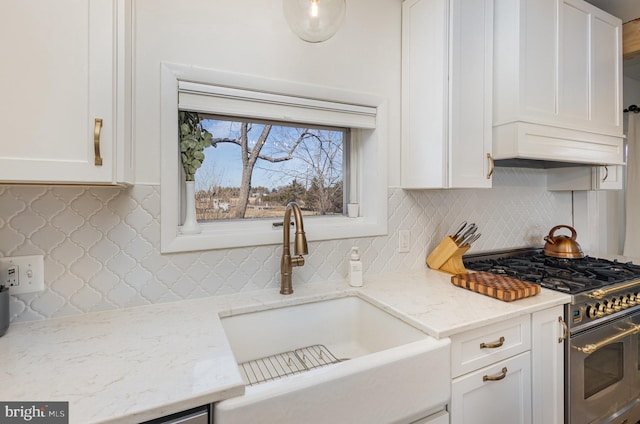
497 286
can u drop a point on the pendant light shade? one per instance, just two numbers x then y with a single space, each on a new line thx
314 20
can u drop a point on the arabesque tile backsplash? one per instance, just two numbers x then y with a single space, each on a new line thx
101 245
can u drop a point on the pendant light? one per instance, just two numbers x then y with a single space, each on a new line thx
314 20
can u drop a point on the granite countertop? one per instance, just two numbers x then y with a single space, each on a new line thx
136 364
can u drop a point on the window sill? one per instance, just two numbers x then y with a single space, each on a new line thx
223 235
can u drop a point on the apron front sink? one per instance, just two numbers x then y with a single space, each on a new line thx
337 360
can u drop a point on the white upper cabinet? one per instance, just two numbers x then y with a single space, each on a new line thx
446 93
557 82
585 178
64 113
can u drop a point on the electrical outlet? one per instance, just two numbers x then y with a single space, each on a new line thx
404 241
22 274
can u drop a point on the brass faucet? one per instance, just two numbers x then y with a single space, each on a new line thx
300 247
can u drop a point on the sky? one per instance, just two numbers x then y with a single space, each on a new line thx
223 165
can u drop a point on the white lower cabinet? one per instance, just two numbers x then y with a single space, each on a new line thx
547 365
510 372
499 393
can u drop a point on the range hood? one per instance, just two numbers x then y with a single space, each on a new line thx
557 85
528 145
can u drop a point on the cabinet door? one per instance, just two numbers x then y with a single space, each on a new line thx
57 79
499 393
547 365
471 85
606 71
608 177
447 67
585 178
590 67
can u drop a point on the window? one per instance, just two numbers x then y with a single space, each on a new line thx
251 170
354 121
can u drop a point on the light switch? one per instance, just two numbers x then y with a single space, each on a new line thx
404 241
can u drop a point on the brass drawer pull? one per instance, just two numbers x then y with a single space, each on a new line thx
96 141
492 345
502 375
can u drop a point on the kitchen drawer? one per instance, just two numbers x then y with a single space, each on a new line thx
499 393
478 348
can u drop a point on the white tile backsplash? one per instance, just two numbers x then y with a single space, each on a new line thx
101 245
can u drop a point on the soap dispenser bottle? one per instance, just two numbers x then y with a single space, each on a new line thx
355 268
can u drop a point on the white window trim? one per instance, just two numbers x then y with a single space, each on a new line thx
371 178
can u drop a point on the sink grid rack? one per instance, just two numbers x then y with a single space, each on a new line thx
286 363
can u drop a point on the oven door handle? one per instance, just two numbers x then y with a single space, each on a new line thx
600 293
592 347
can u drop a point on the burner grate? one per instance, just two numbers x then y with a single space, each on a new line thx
566 275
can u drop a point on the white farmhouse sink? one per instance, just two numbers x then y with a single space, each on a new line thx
387 371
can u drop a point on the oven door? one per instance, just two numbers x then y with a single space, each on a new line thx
604 373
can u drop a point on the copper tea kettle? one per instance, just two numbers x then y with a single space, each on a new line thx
562 246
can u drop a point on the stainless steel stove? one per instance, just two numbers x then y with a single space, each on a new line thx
602 351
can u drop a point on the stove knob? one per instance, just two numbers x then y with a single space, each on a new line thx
601 310
608 307
592 311
616 305
624 302
632 299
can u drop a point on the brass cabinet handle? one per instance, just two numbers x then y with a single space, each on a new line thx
592 347
492 345
502 375
96 141
606 174
565 330
492 167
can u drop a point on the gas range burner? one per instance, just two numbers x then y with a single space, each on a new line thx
562 285
566 275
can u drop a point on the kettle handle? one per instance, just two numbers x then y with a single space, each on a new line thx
550 238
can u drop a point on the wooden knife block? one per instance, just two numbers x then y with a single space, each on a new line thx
447 257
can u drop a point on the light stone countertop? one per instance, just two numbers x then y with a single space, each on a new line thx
136 364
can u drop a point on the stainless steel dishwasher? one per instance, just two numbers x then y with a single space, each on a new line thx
199 415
